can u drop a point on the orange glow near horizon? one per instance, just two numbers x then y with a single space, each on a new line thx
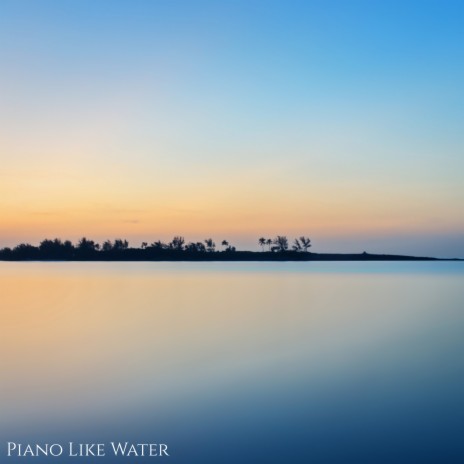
102 206
233 127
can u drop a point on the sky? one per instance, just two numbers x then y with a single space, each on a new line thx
338 120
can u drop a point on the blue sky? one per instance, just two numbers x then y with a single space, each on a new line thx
341 120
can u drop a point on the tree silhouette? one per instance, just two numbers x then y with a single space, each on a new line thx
118 249
88 250
6 253
297 245
177 243
25 251
229 248
281 243
120 245
107 245
210 245
191 247
305 243
197 247
56 249
201 247
159 245
85 245
50 246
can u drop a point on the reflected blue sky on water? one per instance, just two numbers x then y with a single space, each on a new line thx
237 362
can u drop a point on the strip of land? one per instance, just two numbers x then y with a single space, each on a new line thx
177 250
141 255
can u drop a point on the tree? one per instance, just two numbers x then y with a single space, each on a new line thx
6 253
86 245
210 245
262 242
197 247
107 245
56 249
281 243
305 243
144 245
269 243
68 245
297 245
120 245
200 247
50 246
229 248
191 247
177 243
159 245
25 251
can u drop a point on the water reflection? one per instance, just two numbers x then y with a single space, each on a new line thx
237 362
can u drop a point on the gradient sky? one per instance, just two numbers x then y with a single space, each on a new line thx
340 120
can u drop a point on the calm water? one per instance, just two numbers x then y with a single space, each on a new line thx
236 362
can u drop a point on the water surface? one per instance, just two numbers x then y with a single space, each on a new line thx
237 362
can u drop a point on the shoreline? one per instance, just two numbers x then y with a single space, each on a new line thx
237 256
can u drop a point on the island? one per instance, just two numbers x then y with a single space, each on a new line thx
177 249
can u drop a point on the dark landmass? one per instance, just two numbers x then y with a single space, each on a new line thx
177 250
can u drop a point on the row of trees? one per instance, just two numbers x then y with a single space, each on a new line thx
178 244
280 243
87 249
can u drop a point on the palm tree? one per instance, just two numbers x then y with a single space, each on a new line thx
305 243
269 243
225 243
262 242
144 245
297 245
281 243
